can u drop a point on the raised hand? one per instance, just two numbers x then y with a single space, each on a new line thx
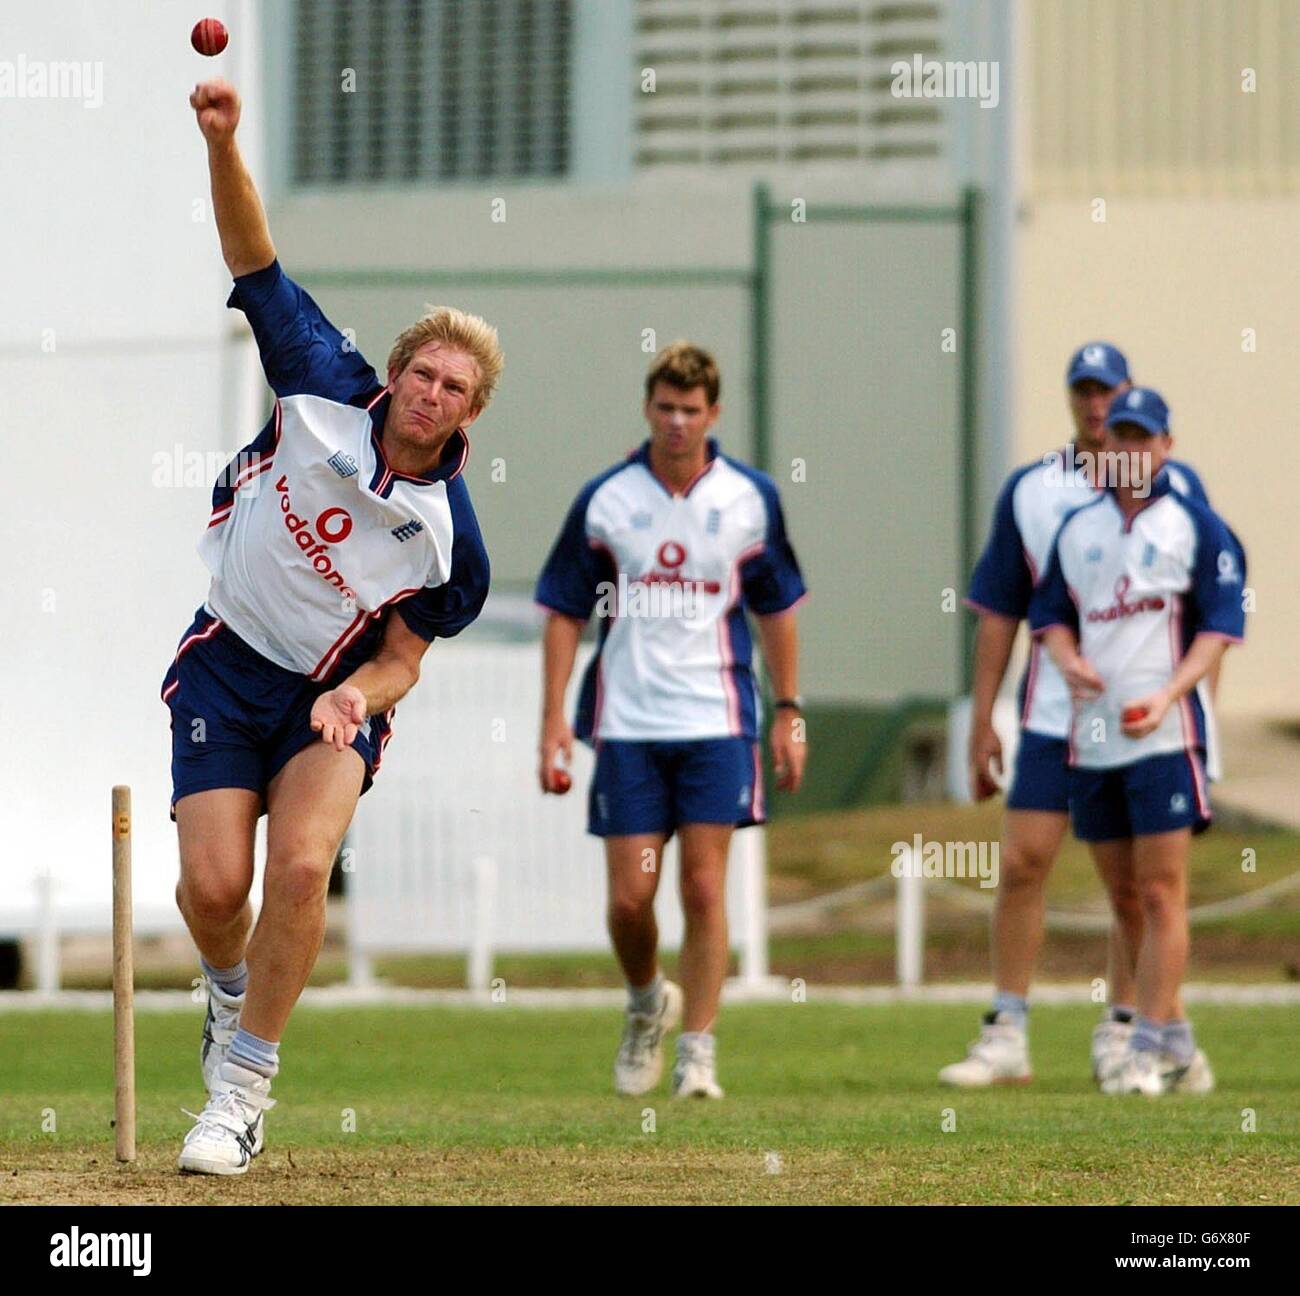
216 105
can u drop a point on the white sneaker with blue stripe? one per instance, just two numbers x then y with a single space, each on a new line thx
231 1128
640 1060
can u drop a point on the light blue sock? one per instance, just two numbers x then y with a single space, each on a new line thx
232 980
1176 1040
1146 1036
1013 1006
645 999
262 1056
694 1041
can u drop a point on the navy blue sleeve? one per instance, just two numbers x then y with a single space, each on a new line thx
1195 486
1218 579
1051 603
575 567
302 352
445 610
771 579
1002 581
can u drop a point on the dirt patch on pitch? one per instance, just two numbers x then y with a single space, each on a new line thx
394 1175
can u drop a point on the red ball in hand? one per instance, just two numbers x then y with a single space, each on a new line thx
209 36
560 781
1131 715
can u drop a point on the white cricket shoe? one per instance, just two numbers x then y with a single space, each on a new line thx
1192 1077
999 1056
1141 1071
640 1060
693 1072
230 1132
1110 1041
219 1028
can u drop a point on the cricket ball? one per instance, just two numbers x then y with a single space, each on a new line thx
1131 715
209 36
560 781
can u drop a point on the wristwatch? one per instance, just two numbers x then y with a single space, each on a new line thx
788 703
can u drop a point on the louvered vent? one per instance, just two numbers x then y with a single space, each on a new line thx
441 90
758 82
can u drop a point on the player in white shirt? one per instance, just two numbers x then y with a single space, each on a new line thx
1033 502
670 549
341 542
1143 593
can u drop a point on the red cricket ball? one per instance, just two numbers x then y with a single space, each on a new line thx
209 36
560 781
1131 715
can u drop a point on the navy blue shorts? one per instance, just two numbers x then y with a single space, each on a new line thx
649 787
238 718
1155 795
1040 780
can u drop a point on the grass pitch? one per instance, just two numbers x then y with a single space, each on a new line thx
826 1103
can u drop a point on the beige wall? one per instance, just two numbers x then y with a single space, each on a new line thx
1174 282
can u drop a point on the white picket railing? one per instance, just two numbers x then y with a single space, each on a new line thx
455 849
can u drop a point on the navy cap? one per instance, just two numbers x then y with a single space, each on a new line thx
1098 360
1143 406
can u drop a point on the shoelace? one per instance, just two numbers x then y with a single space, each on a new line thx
227 1110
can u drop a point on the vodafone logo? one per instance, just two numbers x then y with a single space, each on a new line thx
1123 608
331 526
328 530
670 557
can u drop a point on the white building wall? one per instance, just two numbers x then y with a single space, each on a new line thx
110 355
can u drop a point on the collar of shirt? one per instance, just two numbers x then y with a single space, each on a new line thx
641 455
1160 486
455 451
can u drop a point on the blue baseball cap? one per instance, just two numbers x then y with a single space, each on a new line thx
1143 406
1098 360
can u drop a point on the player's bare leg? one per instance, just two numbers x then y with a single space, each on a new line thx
1160 868
309 806
705 953
216 830
654 1005
1030 842
1110 1039
310 803
632 865
1162 1054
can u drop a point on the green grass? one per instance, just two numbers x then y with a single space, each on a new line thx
826 1103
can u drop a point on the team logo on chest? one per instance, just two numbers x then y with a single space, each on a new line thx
343 464
407 530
